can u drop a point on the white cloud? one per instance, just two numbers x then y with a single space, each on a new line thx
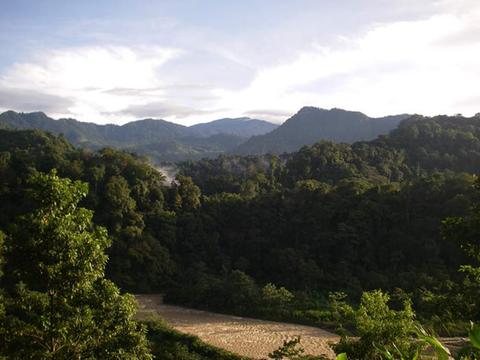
163 110
272 115
31 101
86 74
428 65
408 66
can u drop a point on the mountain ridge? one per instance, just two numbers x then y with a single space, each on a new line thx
311 124
146 136
162 140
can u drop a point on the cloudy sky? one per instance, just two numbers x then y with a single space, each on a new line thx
189 61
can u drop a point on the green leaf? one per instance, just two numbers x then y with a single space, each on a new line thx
474 335
386 354
342 356
442 352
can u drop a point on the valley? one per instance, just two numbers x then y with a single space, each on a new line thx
239 180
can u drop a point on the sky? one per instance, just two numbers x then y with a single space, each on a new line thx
191 61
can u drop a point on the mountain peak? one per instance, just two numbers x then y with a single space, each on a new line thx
9 113
313 109
36 114
309 109
310 125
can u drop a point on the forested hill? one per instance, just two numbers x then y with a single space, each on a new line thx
311 124
158 139
93 135
244 127
418 146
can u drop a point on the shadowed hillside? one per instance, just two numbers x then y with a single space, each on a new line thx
311 124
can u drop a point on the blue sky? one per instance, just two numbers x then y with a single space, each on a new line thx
194 61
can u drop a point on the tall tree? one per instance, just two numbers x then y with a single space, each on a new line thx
57 303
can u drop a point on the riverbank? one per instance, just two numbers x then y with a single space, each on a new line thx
244 336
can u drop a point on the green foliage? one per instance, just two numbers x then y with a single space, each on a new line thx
188 194
472 350
440 350
291 350
126 194
474 336
235 292
275 298
57 303
379 327
2 300
341 312
465 231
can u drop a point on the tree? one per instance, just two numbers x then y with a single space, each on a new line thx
189 193
379 327
291 350
240 292
275 299
57 303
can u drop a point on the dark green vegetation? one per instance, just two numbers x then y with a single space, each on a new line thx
300 236
337 217
385 333
158 139
311 124
56 302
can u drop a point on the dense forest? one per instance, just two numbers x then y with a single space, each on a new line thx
296 236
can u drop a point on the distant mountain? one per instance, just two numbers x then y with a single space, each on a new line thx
244 127
93 135
159 139
165 141
312 124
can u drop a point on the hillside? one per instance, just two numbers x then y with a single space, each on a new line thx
244 127
158 139
95 136
311 124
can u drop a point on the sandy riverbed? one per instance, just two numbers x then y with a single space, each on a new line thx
244 336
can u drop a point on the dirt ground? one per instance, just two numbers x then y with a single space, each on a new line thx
243 336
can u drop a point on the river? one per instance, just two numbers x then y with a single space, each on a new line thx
244 336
